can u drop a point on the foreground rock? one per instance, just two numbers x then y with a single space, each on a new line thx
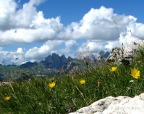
115 105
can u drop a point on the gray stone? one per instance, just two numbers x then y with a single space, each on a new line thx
125 54
115 105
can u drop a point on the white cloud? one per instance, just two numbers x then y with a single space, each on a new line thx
26 25
7 9
39 53
36 2
11 57
139 31
104 29
21 36
69 45
19 50
100 28
112 44
101 24
92 46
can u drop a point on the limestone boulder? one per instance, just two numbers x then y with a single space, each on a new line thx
115 105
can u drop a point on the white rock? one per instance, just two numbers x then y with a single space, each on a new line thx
125 53
115 105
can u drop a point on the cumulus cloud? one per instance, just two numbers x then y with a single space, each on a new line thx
39 53
101 24
54 46
12 57
105 30
91 46
22 35
70 46
7 9
100 29
139 31
26 25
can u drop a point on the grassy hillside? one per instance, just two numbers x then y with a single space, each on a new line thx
69 92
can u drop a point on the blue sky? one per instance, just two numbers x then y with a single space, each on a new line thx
32 29
74 10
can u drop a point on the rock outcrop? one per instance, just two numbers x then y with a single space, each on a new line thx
115 105
125 54
86 56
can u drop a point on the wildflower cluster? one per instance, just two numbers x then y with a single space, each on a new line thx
134 72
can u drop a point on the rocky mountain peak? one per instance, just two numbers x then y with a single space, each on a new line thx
56 61
86 55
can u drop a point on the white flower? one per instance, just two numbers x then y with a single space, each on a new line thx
131 81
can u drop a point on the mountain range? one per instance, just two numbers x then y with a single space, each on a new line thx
52 65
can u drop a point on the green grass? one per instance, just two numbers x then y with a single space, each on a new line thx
36 97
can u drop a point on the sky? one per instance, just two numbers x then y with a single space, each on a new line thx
30 30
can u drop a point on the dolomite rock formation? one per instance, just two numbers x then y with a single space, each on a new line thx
115 105
125 54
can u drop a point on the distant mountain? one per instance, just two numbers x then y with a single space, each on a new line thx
103 54
83 58
1 77
28 64
91 56
76 64
51 65
55 61
86 56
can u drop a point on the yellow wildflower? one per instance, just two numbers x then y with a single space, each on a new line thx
52 84
113 69
82 81
135 73
7 98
